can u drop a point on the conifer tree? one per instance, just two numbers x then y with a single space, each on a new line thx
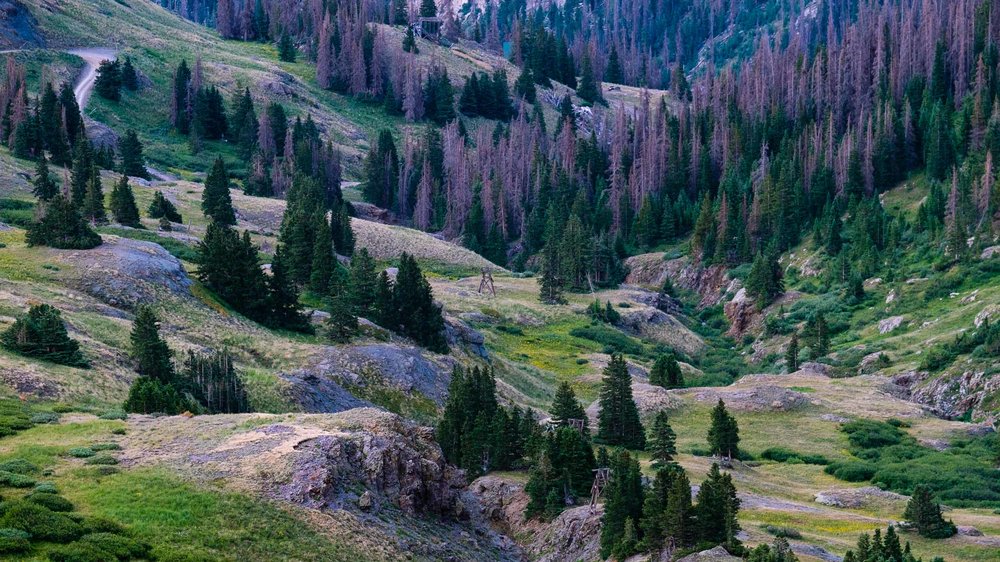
589 89
41 334
925 515
123 207
623 502
565 407
561 472
43 186
215 383
716 510
383 307
93 203
410 42
418 316
724 433
662 444
524 87
83 164
161 207
764 282
666 372
286 48
130 78
618 419
61 226
362 283
228 264
109 80
792 354
149 351
428 9
323 261
133 160
817 336
613 70
343 322
679 516
216 202
281 307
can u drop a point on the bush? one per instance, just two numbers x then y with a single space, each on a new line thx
781 532
13 541
80 452
80 552
613 340
43 523
103 459
114 415
12 480
778 454
106 447
815 459
18 466
46 488
118 431
51 501
45 417
91 525
851 471
869 434
117 545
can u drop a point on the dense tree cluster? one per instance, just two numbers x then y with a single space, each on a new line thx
41 334
876 548
724 433
925 516
485 96
475 432
666 372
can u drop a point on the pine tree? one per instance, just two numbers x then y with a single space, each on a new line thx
716 510
524 87
41 334
323 261
215 384
399 15
792 354
613 70
161 207
418 316
109 80
662 444
286 48
428 9
623 502
216 202
342 323
150 396
281 307
130 78
925 515
362 283
133 161
61 226
724 433
83 163
679 516
123 207
589 89
93 203
228 265
764 282
565 407
666 372
618 419
149 351
410 42
43 186
817 336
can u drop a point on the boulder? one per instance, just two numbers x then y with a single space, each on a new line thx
460 334
887 325
654 324
989 312
746 396
989 253
853 498
717 554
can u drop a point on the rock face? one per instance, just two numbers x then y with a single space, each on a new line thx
654 324
712 283
18 28
574 535
406 368
717 554
952 395
889 324
745 396
123 273
371 470
649 399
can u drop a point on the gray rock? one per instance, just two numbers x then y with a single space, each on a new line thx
366 500
889 324
717 554
991 252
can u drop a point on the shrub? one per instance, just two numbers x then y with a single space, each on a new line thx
118 431
80 552
16 480
869 434
106 447
815 459
851 471
13 541
117 545
781 532
45 417
43 523
106 470
613 340
114 415
18 466
41 334
80 452
91 525
51 501
46 488
778 454
103 459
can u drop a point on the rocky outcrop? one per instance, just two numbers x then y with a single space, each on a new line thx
18 27
717 554
887 325
711 283
649 399
372 470
460 334
653 324
750 395
854 498
123 272
574 535
953 395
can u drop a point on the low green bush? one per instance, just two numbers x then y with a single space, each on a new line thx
870 434
46 488
851 471
106 447
114 415
781 454
52 501
80 552
123 548
43 523
96 524
80 452
781 532
102 459
119 431
613 340
45 417
14 541
13 480
19 466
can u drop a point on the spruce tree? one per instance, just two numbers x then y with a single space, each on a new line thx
662 444
428 9
286 48
589 89
565 407
216 202
149 351
228 264
130 78
150 396
618 419
410 42
323 261
83 163
342 323
792 354
666 372
61 226
418 316
679 516
109 80
717 509
925 516
43 186
161 207
215 384
724 433
383 308
41 334
362 283
281 307
93 203
123 207
623 500
133 160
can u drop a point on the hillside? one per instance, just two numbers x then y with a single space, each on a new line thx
413 325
